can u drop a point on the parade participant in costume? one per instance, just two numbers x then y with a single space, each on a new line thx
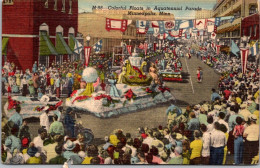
35 82
120 77
31 88
113 90
198 75
153 72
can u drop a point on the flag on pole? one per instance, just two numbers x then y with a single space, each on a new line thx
217 21
218 49
154 46
234 48
244 54
213 35
98 46
129 49
78 47
255 49
87 55
145 48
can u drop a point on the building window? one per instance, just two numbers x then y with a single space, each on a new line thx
46 3
44 27
55 5
59 29
8 2
70 3
63 6
252 10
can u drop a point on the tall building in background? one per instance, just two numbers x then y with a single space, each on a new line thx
230 29
203 14
94 25
38 30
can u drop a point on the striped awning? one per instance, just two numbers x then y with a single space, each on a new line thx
61 46
235 27
4 45
46 46
229 29
72 41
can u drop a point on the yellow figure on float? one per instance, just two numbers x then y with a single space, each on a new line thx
89 76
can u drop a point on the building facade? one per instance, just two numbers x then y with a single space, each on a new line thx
250 27
230 30
41 31
94 23
203 14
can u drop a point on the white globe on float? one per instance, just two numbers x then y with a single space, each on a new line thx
90 75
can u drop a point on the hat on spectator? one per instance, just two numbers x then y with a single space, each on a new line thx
217 107
32 151
69 145
253 117
25 142
158 144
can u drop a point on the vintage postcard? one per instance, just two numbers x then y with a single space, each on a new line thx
130 82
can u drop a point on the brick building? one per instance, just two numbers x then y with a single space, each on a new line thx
38 30
250 27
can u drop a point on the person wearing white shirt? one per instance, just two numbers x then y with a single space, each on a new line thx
221 116
244 112
44 120
251 145
218 142
210 125
206 145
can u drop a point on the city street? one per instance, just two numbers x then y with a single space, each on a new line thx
187 92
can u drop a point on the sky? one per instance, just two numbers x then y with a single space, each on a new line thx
86 5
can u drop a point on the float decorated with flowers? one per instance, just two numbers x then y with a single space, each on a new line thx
123 96
31 106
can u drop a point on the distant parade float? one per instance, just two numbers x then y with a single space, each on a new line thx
170 68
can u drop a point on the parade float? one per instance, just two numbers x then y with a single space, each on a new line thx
32 106
170 69
129 92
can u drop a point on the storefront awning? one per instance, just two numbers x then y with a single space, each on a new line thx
235 27
72 42
4 45
61 46
46 46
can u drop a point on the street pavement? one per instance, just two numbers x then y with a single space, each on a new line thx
187 92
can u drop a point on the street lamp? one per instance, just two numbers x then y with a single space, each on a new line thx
129 41
88 39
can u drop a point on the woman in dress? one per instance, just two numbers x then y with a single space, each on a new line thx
113 90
